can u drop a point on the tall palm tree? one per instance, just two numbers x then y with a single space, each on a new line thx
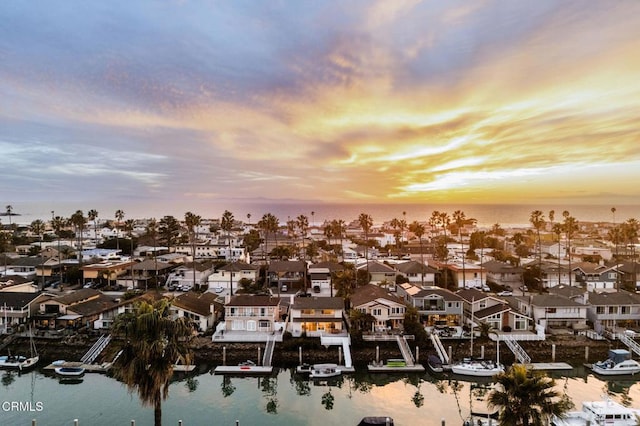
92 215
418 230
226 223
366 222
128 228
459 218
79 221
570 226
269 223
444 221
397 234
152 231
526 397
37 227
9 210
192 220
537 220
302 223
58 223
119 216
630 231
339 231
557 229
153 343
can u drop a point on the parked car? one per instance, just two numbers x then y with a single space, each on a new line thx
523 288
505 293
486 288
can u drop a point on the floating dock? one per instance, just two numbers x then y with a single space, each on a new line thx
416 368
548 366
88 368
243 369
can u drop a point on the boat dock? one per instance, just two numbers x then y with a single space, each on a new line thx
549 366
243 369
89 368
375 368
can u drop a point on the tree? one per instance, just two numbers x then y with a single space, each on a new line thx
37 227
418 230
153 343
366 222
92 215
192 220
557 229
128 228
570 226
119 216
302 223
460 219
152 232
269 224
526 397
79 221
226 223
537 220
629 232
169 231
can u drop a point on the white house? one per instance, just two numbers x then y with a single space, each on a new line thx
227 277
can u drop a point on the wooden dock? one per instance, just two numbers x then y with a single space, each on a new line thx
549 366
242 369
88 368
416 368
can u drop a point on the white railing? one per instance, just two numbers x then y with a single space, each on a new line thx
406 350
442 354
628 340
517 350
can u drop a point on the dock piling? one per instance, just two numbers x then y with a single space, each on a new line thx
299 355
224 355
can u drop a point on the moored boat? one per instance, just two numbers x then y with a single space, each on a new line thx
618 363
477 368
597 413
74 372
376 421
20 362
318 371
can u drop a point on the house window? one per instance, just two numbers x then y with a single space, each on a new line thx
612 309
600 310
263 312
232 311
625 310
377 312
520 324
327 312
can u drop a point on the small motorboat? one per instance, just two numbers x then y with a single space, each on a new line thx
435 364
605 412
303 369
619 363
74 372
246 365
319 371
477 368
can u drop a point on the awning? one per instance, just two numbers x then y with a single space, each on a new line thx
69 317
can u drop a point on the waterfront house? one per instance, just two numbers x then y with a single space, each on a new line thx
17 284
17 307
630 275
417 272
556 313
436 306
222 279
252 315
387 309
316 316
76 309
482 307
201 308
613 310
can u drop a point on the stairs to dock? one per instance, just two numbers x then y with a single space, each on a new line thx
406 351
631 344
437 344
96 349
267 357
522 356
348 362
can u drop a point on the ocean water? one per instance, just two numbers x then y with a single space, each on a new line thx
507 215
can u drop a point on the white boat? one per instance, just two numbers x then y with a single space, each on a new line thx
599 413
69 371
20 362
318 371
303 369
618 363
477 368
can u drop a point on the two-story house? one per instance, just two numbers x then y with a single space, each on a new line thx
387 309
436 306
16 308
201 308
467 275
379 272
80 308
595 277
554 274
288 276
316 316
553 311
227 277
254 316
613 310
417 273
503 274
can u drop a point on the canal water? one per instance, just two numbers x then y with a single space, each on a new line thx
283 398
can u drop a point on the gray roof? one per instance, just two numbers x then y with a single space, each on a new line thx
238 266
552 300
251 300
414 267
371 292
613 298
16 300
318 303
287 266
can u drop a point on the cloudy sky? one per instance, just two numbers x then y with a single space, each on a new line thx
344 101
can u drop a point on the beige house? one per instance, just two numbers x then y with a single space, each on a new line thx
316 316
387 309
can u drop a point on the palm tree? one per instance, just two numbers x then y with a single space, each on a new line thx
128 228
395 224
92 215
526 397
192 221
366 222
570 226
557 229
57 223
226 223
459 218
444 221
79 221
418 230
630 233
537 220
9 210
302 222
339 230
152 231
153 343
37 227
119 216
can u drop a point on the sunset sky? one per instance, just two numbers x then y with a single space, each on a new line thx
340 101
